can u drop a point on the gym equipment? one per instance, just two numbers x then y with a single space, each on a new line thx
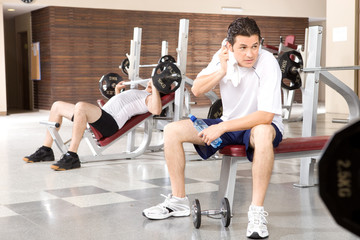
166 77
107 84
167 58
125 64
224 212
289 63
339 177
216 110
136 81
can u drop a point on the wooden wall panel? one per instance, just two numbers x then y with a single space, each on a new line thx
79 45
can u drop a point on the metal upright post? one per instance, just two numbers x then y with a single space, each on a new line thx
310 103
134 60
164 48
311 91
181 62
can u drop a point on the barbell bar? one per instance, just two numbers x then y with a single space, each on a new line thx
139 81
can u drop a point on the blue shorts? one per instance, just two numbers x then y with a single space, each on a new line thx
233 138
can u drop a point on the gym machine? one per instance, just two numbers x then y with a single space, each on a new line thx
312 71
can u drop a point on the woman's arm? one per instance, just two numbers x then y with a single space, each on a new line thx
153 101
119 87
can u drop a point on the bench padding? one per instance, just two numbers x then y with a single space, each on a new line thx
288 145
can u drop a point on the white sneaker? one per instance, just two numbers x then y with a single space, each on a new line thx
257 228
172 206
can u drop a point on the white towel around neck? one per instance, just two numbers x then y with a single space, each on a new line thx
234 73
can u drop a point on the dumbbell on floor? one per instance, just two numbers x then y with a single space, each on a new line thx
224 212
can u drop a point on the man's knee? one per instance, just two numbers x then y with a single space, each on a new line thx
175 130
171 128
263 132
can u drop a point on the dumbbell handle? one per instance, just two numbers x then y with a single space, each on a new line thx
211 212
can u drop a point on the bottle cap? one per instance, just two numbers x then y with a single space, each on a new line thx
192 117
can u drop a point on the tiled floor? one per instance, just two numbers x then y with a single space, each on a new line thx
104 200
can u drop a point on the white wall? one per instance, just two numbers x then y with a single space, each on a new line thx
286 8
340 53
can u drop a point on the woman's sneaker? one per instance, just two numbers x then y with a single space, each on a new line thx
257 228
68 161
43 154
171 207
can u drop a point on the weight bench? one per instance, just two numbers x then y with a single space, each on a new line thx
97 143
299 147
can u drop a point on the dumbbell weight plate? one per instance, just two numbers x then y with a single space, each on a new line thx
226 215
196 213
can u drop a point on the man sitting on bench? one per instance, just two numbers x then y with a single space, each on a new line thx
249 80
107 120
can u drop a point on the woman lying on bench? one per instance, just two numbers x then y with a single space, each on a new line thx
107 120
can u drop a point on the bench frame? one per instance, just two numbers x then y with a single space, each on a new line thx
309 147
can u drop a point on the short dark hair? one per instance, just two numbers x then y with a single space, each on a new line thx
243 26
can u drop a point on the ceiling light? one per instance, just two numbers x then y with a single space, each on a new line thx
11 10
232 9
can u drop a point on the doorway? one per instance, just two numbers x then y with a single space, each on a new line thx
23 73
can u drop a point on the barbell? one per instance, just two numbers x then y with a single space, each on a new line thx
166 78
290 63
125 64
339 177
108 83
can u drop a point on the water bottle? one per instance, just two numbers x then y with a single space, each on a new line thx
200 125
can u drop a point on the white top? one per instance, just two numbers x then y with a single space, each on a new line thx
247 90
126 104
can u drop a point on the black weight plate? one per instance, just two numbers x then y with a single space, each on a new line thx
125 64
167 58
289 62
339 177
166 77
107 84
196 213
216 110
226 215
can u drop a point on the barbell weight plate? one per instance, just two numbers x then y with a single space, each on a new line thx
124 65
226 215
107 84
166 77
167 58
215 110
289 63
196 213
339 177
